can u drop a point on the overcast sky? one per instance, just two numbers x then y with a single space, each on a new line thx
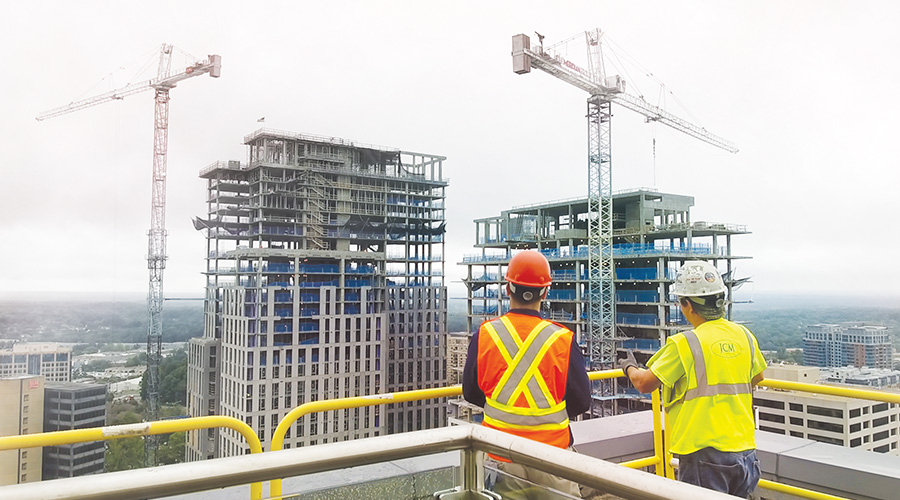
806 89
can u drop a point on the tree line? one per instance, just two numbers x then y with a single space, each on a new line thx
128 453
96 322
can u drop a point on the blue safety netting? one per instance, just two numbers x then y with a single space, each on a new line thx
637 296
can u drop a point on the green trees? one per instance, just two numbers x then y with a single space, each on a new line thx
95 322
171 450
139 360
128 453
125 453
98 365
172 379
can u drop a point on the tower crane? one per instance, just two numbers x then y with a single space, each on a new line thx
603 91
156 258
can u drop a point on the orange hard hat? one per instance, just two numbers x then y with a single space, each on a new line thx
529 268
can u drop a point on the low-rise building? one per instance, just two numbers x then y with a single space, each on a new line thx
21 413
878 378
51 360
68 406
853 423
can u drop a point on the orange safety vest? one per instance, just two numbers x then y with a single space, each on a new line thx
523 364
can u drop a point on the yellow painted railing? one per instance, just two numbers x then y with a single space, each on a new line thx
793 490
846 392
658 457
58 438
275 487
661 459
345 403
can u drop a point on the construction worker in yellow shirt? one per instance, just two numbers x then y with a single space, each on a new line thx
707 377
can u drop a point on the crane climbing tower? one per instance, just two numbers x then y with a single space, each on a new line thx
603 91
156 257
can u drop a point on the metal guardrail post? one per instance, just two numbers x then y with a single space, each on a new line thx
472 469
667 455
58 438
658 449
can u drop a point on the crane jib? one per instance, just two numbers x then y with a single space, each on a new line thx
604 91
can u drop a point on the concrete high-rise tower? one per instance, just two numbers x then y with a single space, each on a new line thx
324 280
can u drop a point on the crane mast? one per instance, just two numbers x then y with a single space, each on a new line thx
156 253
603 91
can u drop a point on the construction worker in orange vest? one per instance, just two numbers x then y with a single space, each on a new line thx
529 376
707 375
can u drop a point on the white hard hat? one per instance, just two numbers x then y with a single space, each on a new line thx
698 278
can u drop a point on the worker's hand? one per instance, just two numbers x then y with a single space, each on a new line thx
627 362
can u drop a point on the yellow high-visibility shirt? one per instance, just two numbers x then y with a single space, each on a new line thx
709 403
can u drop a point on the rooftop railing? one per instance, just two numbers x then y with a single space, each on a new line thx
118 487
471 441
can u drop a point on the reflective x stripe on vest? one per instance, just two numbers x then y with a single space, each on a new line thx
703 388
523 377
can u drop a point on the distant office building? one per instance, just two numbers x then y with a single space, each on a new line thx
22 412
831 346
68 406
853 423
52 361
324 280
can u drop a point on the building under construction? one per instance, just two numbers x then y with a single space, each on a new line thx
324 280
653 234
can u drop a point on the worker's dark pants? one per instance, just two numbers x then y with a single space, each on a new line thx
735 473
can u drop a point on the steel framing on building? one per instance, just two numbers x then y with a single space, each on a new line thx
651 235
325 279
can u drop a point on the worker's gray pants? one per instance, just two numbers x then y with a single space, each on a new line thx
519 482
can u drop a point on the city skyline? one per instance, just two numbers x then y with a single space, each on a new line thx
812 181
